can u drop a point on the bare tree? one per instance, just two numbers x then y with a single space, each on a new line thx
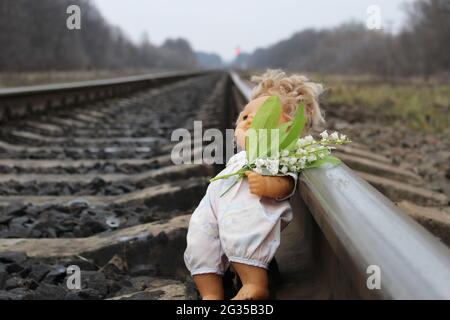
34 37
422 48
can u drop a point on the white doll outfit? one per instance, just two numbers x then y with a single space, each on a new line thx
237 227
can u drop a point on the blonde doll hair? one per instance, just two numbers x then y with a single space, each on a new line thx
291 90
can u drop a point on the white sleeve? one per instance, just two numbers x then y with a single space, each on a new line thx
295 177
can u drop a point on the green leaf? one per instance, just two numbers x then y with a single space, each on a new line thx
251 150
324 160
268 114
284 127
268 143
266 119
288 140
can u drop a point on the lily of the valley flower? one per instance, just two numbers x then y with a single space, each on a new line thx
302 142
260 162
273 166
334 136
306 154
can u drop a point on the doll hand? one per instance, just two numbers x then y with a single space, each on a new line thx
269 186
256 183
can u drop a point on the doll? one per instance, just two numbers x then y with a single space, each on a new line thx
243 226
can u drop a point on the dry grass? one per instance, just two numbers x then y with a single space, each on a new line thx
412 103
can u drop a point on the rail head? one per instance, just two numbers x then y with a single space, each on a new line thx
22 101
240 84
91 84
368 232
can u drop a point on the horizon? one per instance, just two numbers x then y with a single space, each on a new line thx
245 29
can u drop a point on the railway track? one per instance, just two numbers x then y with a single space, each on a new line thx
87 179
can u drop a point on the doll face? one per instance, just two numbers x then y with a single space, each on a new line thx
245 119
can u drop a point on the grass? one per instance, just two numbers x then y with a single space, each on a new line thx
419 105
415 104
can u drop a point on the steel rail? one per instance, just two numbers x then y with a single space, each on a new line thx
21 101
369 233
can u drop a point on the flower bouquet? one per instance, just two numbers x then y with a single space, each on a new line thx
276 149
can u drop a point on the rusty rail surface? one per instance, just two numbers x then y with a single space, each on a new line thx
365 231
22 101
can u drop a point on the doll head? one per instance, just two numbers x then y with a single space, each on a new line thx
245 119
291 90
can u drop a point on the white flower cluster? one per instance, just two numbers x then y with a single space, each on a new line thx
267 166
307 151
334 137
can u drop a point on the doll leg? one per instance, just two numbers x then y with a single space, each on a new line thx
210 286
255 283
204 259
250 235
204 256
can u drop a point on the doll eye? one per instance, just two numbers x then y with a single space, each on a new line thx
245 117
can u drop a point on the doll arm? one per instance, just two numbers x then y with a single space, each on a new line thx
275 187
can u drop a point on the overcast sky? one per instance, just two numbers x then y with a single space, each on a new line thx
222 26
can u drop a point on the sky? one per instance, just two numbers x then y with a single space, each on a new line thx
223 26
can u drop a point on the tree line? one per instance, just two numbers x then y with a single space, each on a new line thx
421 48
34 37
